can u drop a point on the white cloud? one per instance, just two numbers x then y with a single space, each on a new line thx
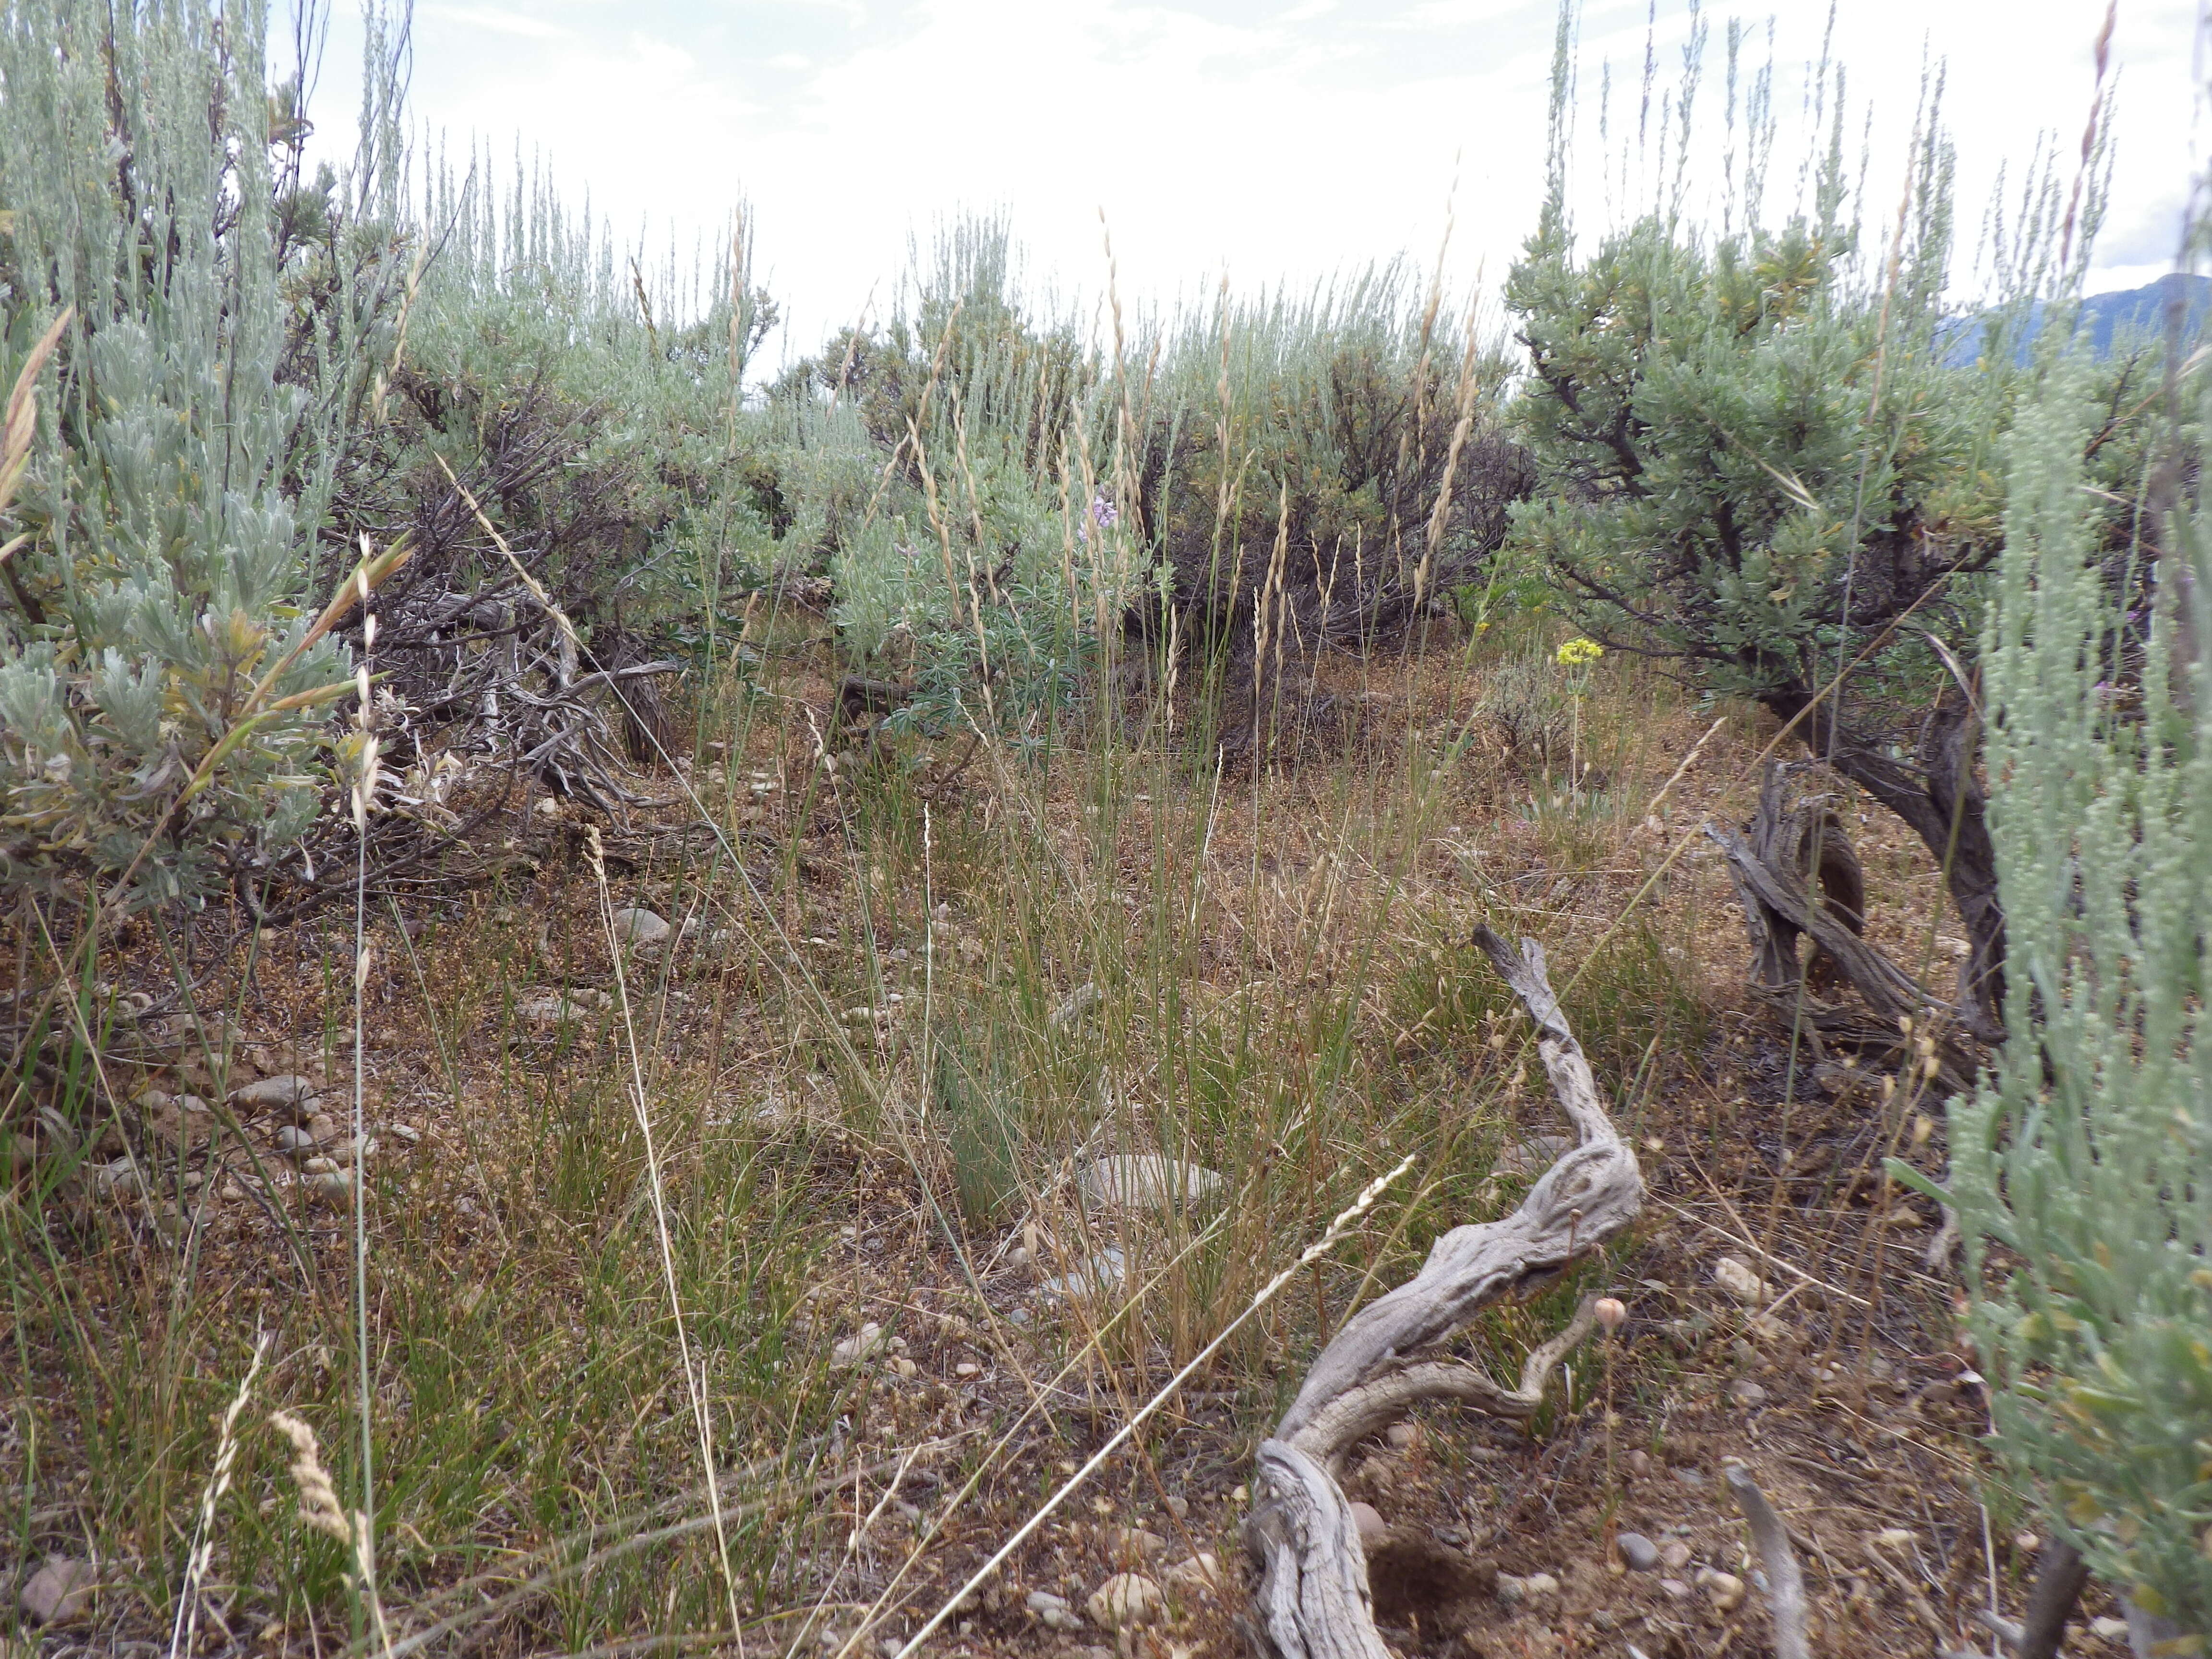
495 19
1279 145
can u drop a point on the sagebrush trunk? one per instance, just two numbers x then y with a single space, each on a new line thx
1939 797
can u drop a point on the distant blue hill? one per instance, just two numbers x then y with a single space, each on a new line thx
2134 314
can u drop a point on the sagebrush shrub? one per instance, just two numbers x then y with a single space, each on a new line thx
187 439
2089 1158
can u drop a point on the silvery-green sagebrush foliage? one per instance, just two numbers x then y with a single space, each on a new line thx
224 328
2089 1158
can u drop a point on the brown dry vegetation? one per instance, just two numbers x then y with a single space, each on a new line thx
869 1083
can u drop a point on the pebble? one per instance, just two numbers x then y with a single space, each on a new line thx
1201 1571
2112 1629
1125 1601
905 1367
641 928
406 1133
863 1345
58 1591
1724 1589
1179 1506
333 1187
1078 1003
294 1141
1401 1435
1512 1588
1674 1588
1101 1275
1739 1281
1136 1541
547 1009
1639 1461
1052 1612
1746 1393
325 1128
1373 1527
1638 1553
1674 1555
289 1090
1148 1181
119 1178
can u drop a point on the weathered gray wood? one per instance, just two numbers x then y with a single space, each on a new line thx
1314 1593
1785 1583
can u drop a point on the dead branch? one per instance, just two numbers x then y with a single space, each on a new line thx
1788 851
1314 1593
1785 1584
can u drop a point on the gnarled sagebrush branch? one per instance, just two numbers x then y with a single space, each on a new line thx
1314 1592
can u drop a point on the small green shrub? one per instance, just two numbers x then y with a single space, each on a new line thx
219 342
2089 1158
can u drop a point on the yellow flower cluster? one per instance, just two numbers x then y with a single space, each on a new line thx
1577 651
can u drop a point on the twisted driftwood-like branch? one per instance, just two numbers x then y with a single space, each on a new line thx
1314 1592
1785 1582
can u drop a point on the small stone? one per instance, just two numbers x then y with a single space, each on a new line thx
863 1345
1078 1003
1739 1281
2112 1629
325 1128
1099 1276
1638 1553
1639 1461
59 1591
333 1187
1201 1571
1674 1555
1746 1393
406 1135
318 1166
967 1368
1052 1612
1149 1182
287 1092
119 1179
890 1647
904 1367
1136 1542
1179 1506
1125 1601
1893 1540
1724 1589
1691 1477
545 1010
1373 1527
1512 1590
294 1141
1401 1435
1675 1589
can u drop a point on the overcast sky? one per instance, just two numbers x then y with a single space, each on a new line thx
1278 142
